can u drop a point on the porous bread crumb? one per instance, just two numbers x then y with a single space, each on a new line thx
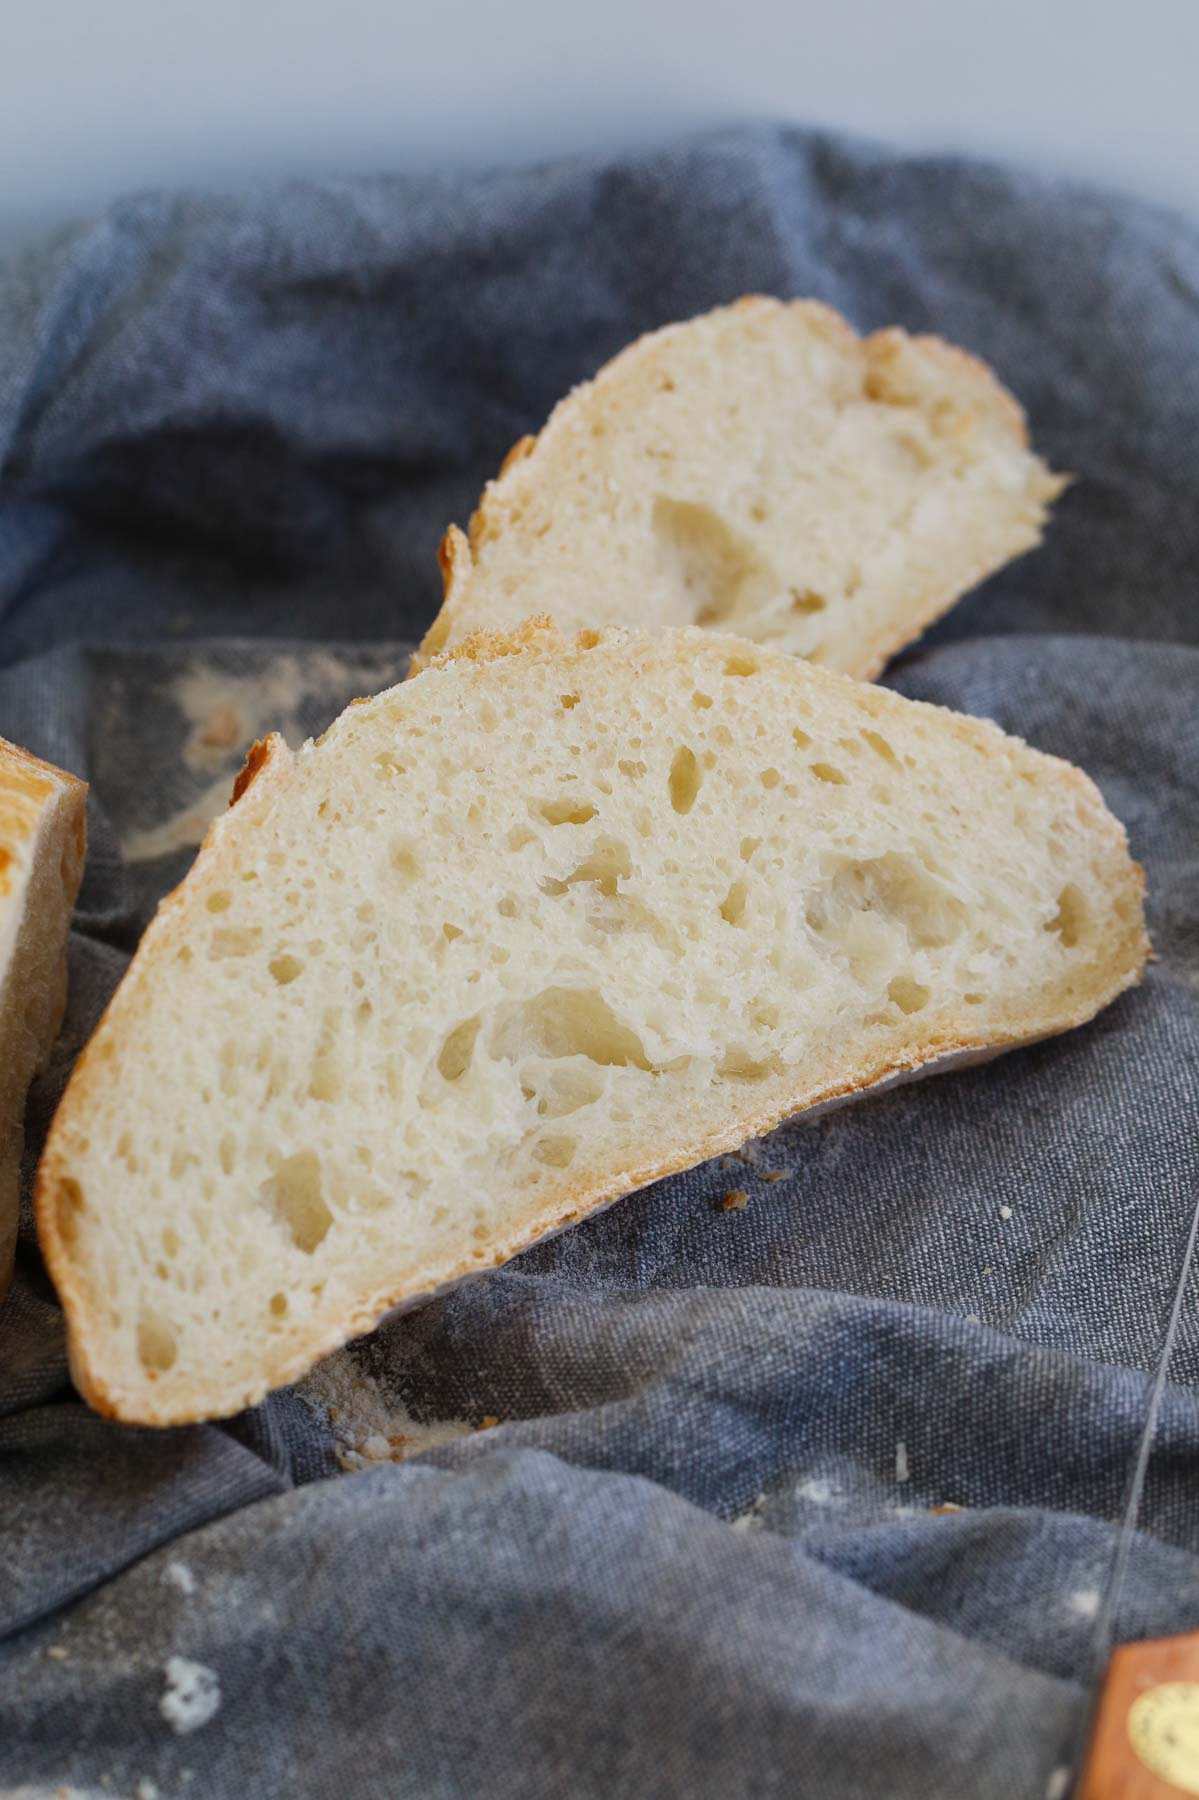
760 470
736 1200
193 1694
57 1653
488 1422
776 1174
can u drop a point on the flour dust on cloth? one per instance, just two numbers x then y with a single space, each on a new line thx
792 1474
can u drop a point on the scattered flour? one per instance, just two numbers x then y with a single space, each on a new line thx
751 1519
816 1492
1058 1785
180 1576
193 1694
183 830
1005 1213
146 1789
902 1470
1084 1603
369 1424
226 712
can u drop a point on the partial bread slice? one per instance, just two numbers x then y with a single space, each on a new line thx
761 470
518 936
42 837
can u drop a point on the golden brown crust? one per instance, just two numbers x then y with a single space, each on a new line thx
256 758
26 783
487 646
524 446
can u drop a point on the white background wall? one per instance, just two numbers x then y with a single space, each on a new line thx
98 96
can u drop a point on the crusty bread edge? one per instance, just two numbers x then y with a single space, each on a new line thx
270 762
456 552
66 793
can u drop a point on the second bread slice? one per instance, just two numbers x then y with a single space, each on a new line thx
518 936
762 471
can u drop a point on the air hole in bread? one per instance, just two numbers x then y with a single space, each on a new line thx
770 778
181 1161
633 770
685 778
126 1152
325 1083
881 747
561 1022
569 701
405 861
293 1194
278 1305
1071 917
285 969
974 999
227 1152
220 901
555 1152
801 738
457 1050
170 1241
732 907
68 1207
740 663
806 600
386 764
450 932
908 995
829 772
608 863
157 1345
895 887
520 836
567 1089
233 940
748 846
738 1065
717 574
566 812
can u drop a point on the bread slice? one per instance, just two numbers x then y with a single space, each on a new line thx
42 835
763 471
518 936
